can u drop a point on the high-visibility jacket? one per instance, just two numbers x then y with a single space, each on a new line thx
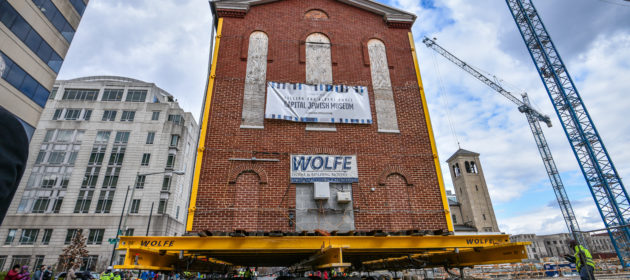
587 254
116 277
107 276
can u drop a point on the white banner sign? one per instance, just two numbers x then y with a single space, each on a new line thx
324 168
318 103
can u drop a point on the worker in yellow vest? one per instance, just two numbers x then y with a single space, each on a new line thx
583 261
107 274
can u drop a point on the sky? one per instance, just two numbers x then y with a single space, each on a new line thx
167 42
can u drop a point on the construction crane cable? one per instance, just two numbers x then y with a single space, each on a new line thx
444 98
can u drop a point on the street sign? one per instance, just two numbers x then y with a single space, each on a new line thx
113 240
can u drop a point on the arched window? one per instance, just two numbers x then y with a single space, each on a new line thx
382 85
318 68
467 166
457 170
473 167
255 81
316 15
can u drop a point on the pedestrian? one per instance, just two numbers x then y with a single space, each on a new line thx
38 273
144 275
47 275
86 275
583 261
24 274
107 274
116 275
72 275
14 273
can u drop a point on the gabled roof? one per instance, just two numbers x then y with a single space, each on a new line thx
389 13
462 152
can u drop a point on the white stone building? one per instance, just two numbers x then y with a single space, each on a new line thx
95 136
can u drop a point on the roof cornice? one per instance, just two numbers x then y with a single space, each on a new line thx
390 14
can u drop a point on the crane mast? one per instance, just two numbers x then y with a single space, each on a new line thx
533 118
597 167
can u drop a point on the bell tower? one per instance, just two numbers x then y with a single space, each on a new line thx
472 191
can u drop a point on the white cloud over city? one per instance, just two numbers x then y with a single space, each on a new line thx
167 42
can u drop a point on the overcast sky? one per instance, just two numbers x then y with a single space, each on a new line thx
167 42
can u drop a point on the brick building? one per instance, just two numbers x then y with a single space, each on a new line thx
244 179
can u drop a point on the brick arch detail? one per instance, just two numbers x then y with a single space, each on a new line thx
323 30
391 170
236 171
244 41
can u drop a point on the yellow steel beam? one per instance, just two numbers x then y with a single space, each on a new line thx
204 129
147 259
436 159
309 243
503 253
327 258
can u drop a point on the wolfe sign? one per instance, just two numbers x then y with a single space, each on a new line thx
318 103
324 168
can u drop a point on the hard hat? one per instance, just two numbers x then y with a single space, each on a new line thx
109 268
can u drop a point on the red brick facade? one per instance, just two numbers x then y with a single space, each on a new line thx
258 196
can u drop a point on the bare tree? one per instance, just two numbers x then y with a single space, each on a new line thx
74 253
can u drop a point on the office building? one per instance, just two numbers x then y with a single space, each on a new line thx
34 38
96 137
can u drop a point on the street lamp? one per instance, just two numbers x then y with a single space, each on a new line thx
176 172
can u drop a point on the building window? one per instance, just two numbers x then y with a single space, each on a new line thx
70 234
27 34
140 181
22 260
155 116
41 205
128 116
484 216
166 183
79 6
382 86
145 159
84 201
90 261
56 18
253 113
456 170
10 236
177 213
476 188
104 203
22 81
454 219
170 161
39 261
112 95
135 206
57 114
95 237
135 95
117 156
176 119
174 140
29 236
80 94
56 157
129 232
473 167
3 260
72 114
109 116
150 137
46 236
162 206
87 115
122 137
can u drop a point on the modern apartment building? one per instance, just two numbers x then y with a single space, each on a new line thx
34 38
98 136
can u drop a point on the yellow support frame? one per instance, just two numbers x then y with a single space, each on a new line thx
204 129
323 251
436 159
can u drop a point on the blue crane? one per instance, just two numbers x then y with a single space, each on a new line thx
598 169
533 118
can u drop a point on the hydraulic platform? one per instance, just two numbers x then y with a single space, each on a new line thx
301 253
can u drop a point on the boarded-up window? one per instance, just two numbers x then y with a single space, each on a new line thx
255 81
318 68
382 85
316 15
